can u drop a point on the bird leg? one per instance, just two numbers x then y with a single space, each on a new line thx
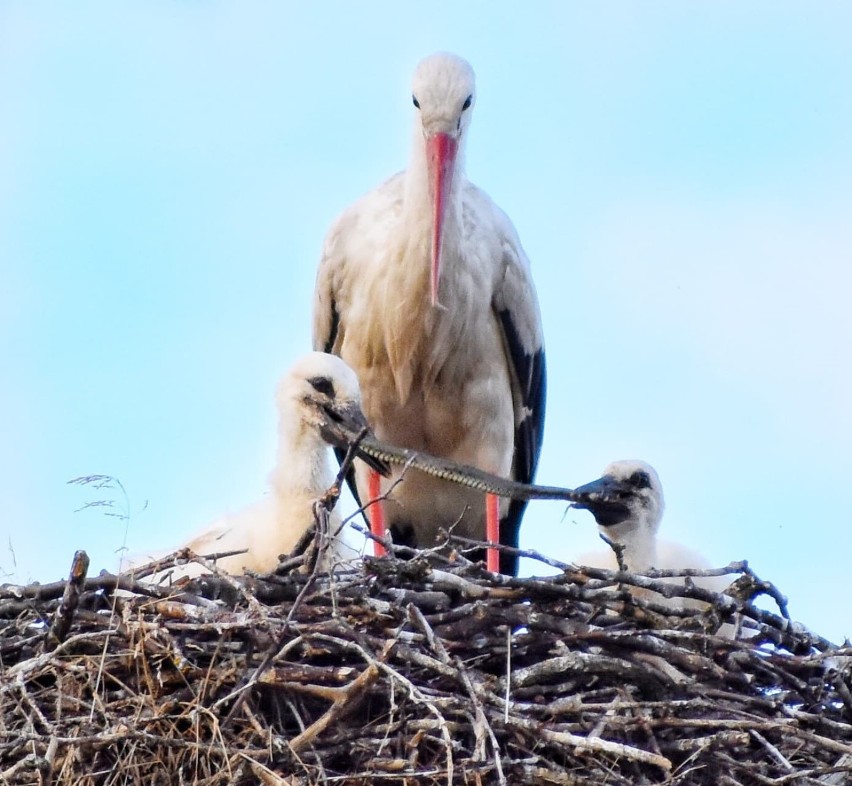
377 513
492 531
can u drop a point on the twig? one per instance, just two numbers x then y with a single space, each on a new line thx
70 599
593 745
771 749
346 702
508 673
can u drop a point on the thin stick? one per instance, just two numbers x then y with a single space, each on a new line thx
347 702
70 599
508 672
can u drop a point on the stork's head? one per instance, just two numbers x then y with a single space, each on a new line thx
443 92
322 391
626 500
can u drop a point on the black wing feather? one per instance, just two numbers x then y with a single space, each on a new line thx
530 372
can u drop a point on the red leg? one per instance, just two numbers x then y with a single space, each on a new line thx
492 531
377 513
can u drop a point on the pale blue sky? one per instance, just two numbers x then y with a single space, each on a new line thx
679 174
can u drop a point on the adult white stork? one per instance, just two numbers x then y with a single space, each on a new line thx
425 290
627 503
319 390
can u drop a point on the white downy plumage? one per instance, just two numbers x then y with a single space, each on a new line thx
317 387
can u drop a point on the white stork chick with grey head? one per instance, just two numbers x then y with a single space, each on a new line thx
318 390
425 290
627 503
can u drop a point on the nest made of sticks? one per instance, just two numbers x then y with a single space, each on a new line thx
426 670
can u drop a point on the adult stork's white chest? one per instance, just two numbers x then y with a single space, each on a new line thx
425 290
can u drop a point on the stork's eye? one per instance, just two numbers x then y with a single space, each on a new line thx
640 480
415 101
322 385
467 102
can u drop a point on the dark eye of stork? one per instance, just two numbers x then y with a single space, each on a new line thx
467 103
322 385
415 101
640 480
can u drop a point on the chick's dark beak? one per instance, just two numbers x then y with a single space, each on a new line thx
606 498
343 424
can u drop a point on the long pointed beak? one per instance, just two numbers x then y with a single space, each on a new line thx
342 427
606 499
441 152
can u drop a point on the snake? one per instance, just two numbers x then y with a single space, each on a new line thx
461 474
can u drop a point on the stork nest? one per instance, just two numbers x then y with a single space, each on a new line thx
425 670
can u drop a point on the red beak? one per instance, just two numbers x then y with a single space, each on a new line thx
441 154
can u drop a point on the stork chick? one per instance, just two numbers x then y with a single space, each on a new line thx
317 390
627 503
